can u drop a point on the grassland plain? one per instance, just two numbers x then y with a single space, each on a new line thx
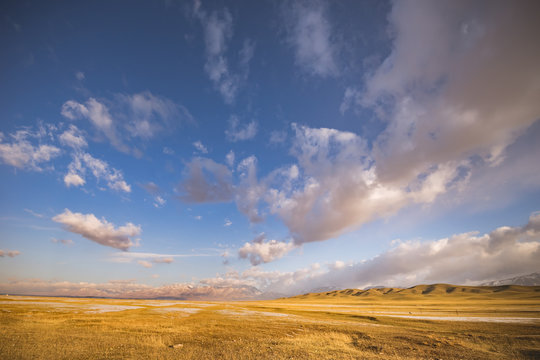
424 322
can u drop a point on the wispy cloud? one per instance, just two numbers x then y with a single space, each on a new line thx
33 213
100 169
73 137
146 264
310 35
127 257
199 146
99 231
10 253
155 191
238 132
125 118
67 242
218 31
22 154
79 75
229 158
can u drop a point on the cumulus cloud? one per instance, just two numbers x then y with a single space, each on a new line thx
262 251
73 179
443 123
310 35
458 82
22 154
468 258
10 253
125 118
238 132
444 120
206 181
98 168
218 31
99 230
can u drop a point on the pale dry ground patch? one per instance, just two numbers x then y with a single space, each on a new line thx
313 327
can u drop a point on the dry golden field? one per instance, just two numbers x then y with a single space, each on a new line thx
424 322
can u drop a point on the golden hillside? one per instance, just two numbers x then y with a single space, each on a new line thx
439 291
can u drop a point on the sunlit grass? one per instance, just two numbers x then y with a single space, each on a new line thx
312 327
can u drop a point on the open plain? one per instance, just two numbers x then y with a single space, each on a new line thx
424 322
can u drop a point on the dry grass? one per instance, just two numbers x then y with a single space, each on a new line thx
315 327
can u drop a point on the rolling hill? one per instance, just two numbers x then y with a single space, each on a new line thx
440 291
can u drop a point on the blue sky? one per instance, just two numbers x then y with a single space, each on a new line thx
212 149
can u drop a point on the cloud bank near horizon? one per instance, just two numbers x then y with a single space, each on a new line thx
468 258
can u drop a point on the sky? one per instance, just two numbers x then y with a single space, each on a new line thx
238 149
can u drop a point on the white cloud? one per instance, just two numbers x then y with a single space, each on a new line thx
229 158
227 222
10 253
310 34
22 154
72 179
468 258
72 110
444 123
80 75
73 137
159 201
100 169
436 87
262 251
99 231
126 118
218 31
238 132
168 151
200 147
